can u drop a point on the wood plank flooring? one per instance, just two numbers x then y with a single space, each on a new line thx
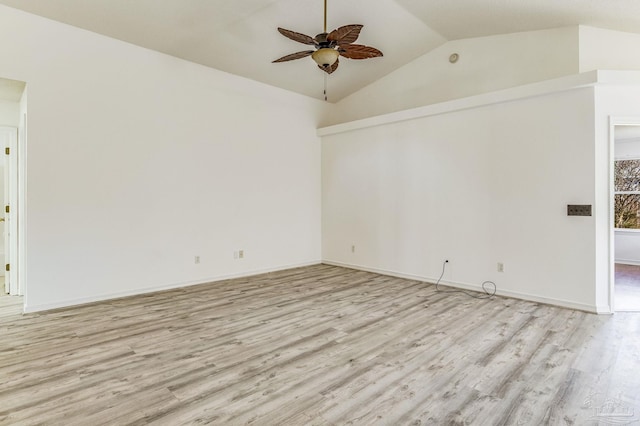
627 288
319 345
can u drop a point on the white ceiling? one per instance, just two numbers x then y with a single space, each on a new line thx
240 36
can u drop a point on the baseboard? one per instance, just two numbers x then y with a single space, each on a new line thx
604 310
628 262
454 284
478 288
110 296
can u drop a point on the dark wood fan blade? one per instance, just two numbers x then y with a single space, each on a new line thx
300 38
358 51
331 68
345 35
296 55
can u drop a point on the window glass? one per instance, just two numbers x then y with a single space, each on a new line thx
627 194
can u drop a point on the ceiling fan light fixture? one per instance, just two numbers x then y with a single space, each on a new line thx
325 56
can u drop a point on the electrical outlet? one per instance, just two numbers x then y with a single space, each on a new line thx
353 249
578 209
196 260
240 254
500 267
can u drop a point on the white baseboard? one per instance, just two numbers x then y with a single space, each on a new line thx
465 286
628 262
604 310
478 288
110 296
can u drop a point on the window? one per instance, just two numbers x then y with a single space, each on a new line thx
627 194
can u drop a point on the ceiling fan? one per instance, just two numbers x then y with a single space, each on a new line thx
328 46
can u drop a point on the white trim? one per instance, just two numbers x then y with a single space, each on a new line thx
12 198
632 262
22 203
118 295
628 231
22 210
603 310
556 85
478 288
520 92
629 157
613 122
611 244
615 160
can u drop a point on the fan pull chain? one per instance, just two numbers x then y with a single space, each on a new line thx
325 87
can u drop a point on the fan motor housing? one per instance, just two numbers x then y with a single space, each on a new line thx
322 41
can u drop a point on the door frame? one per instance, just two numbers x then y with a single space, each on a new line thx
613 122
15 198
10 136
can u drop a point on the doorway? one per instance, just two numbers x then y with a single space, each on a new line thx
626 217
13 116
8 219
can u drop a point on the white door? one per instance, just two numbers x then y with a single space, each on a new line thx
9 144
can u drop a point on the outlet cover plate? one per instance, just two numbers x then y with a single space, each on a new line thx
578 209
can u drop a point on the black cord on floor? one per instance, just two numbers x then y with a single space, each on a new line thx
487 294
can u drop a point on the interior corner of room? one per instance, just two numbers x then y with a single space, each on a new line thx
201 176
195 233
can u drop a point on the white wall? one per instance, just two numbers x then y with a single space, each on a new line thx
137 162
627 148
486 64
627 247
475 186
602 49
9 113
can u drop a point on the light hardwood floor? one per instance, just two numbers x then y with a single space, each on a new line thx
315 346
627 288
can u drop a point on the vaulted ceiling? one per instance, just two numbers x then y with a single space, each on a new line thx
240 36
